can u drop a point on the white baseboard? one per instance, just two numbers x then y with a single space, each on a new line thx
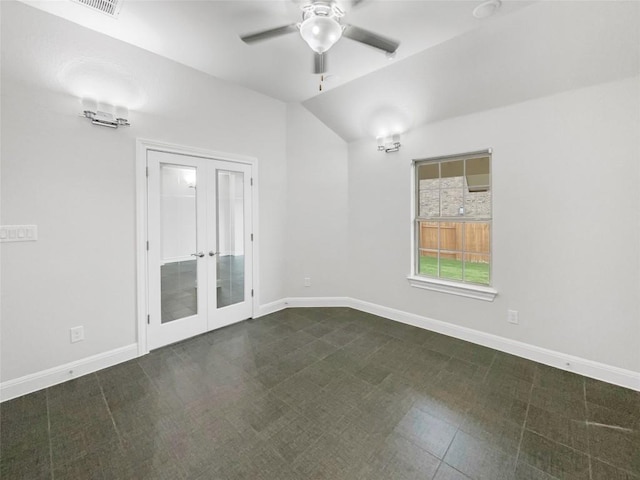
589 368
318 302
52 376
301 302
563 361
268 308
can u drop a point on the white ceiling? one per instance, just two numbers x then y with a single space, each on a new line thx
449 63
549 47
205 35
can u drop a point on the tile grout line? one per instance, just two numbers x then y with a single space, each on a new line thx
442 462
458 428
453 439
153 384
104 399
293 407
183 359
524 424
49 433
584 395
486 374
435 474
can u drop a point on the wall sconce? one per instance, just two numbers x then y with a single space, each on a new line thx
389 144
102 118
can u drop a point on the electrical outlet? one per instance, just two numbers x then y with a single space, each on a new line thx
77 334
512 317
307 281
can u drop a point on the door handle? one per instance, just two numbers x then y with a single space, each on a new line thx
212 253
199 254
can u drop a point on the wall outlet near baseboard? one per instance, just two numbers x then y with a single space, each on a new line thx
77 334
512 317
307 281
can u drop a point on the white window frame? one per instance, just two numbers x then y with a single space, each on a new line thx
464 289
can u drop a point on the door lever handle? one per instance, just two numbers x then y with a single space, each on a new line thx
199 254
212 253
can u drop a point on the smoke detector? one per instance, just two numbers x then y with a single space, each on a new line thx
108 7
486 9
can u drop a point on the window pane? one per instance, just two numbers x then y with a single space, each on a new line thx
451 202
477 172
451 265
451 236
230 229
476 268
429 203
477 204
450 250
428 235
451 174
477 237
179 271
428 263
450 191
429 176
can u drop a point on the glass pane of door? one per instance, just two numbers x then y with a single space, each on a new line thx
178 246
230 237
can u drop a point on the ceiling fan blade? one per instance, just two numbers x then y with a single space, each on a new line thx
319 63
267 34
369 38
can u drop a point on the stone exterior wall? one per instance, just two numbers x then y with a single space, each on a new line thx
445 197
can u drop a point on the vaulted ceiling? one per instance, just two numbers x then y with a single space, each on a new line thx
449 62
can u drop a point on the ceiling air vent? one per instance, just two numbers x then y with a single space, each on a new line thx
110 7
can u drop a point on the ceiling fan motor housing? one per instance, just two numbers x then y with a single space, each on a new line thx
323 9
321 29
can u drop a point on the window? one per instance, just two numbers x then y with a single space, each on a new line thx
452 224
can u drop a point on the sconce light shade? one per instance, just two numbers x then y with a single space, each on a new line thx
320 32
389 144
104 119
89 104
122 113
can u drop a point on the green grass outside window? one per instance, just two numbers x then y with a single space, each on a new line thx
451 269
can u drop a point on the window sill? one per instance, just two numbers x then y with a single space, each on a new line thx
461 289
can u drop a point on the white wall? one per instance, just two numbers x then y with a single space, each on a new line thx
563 167
77 183
566 235
316 207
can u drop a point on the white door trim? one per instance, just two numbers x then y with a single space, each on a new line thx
142 282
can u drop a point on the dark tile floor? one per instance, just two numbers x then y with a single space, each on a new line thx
330 394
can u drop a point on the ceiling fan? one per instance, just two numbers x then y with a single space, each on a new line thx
321 29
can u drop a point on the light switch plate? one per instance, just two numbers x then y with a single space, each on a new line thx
18 233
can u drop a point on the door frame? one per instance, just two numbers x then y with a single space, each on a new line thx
142 281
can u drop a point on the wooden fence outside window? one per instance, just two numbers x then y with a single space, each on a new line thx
475 236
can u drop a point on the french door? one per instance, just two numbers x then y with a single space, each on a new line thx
200 245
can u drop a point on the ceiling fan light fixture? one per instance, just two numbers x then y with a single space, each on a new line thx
320 32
